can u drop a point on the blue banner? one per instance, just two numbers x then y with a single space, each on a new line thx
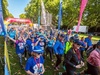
2 27
60 15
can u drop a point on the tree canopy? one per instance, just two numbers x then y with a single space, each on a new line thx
6 12
91 16
22 16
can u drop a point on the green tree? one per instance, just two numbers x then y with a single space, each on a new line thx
32 10
91 15
10 15
6 12
22 16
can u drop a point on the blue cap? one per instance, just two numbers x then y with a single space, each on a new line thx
72 38
76 36
41 36
62 35
77 42
37 33
98 43
37 49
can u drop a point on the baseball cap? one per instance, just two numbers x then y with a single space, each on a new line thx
62 35
37 33
41 36
37 49
76 36
98 43
77 42
72 38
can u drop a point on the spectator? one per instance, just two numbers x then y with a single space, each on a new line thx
93 61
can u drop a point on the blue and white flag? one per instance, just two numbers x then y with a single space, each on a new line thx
60 15
2 27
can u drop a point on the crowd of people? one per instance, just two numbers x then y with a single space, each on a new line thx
37 44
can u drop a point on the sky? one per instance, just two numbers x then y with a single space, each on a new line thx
16 7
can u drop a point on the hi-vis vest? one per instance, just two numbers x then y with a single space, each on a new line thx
67 47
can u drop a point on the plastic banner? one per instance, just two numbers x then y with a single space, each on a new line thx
82 7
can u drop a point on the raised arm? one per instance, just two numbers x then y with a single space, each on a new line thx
12 39
37 42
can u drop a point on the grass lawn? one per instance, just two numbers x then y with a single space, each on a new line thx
1 56
14 62
93 38
17 70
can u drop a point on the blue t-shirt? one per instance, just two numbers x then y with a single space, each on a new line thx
50 43
34 65
30 44
20 45
88 41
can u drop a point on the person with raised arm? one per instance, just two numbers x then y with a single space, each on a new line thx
20 45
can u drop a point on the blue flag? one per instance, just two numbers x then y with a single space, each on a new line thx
2 27
60 15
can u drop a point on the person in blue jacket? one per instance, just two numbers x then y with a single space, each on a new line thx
34 65
59 50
